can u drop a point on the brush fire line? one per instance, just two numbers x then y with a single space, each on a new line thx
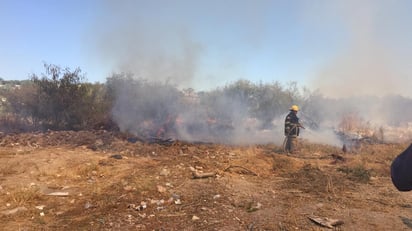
172 128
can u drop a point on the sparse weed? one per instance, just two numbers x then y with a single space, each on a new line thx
87 169
357 173
24 195
281 164
8 169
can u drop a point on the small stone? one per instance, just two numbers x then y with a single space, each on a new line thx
164 172
161 189
195 218
128 188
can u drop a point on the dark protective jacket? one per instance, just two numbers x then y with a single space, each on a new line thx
292 124
401 170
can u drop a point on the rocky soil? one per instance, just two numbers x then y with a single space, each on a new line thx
99 180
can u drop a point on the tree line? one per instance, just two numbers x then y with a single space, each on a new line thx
63 99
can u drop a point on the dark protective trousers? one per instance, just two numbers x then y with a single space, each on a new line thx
401 170
291 144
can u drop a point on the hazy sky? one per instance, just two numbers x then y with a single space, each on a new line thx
341 47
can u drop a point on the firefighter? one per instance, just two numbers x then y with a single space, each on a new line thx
292 127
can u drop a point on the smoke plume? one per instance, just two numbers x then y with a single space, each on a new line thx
370 61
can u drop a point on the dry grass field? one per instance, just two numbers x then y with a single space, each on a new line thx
101 181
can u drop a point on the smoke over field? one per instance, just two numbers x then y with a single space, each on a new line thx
248 113
360 88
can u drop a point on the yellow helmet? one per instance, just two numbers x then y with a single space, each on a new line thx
294 108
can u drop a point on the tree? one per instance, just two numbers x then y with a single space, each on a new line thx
65 101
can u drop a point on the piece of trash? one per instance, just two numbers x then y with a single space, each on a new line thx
116 156
40 207
178 202
326 222
216 196
59 194
88 205
140 207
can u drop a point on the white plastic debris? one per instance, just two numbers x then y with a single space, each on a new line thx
40 207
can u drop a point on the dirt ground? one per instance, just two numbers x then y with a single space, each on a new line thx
100 180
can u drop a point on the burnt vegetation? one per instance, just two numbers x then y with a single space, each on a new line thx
62 99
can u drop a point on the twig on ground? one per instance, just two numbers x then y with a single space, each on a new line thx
236 166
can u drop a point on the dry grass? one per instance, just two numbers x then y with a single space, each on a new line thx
357 173
289 188
24 196
9 168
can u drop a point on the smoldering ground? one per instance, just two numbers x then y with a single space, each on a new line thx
240 113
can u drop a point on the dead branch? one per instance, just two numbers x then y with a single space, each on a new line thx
198 175
236 166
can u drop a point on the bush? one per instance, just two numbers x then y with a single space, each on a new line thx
59 100
357 173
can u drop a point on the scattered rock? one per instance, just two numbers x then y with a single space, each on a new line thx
116 156
161 189
140 207
128 188
195 218
254 207
164 172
